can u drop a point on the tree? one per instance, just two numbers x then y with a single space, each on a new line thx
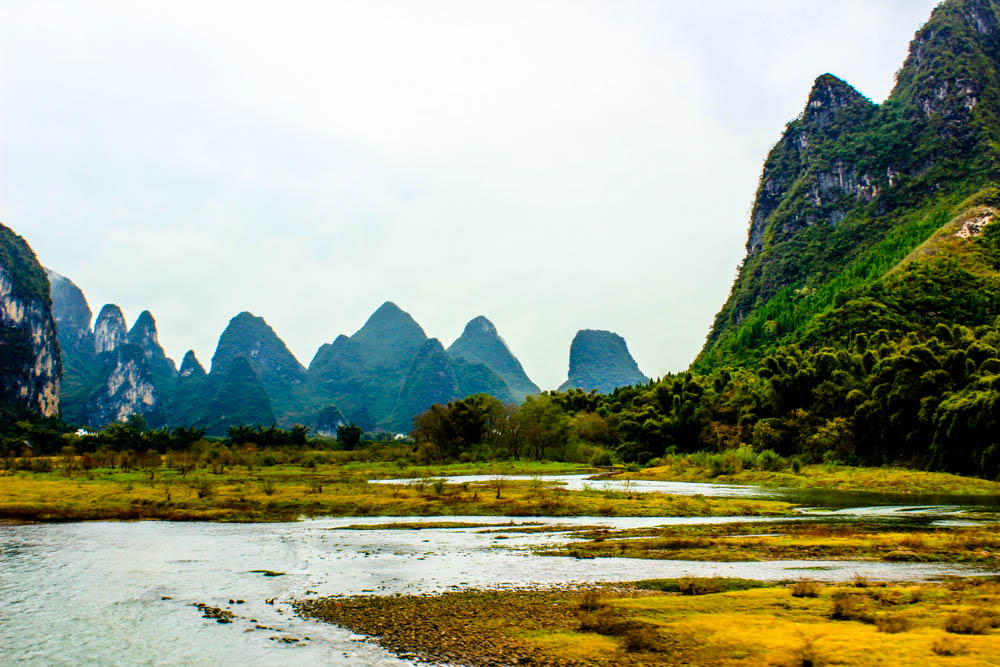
349 436
544 427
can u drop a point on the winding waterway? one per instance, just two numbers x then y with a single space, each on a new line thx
123 592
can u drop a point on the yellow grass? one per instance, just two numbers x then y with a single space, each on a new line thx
290 492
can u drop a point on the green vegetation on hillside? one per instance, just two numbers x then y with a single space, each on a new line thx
852 188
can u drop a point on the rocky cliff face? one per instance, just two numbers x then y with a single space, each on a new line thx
110 373
191 367
798 160
600 360
30 361
76 342
127 388
72 315
480 343
144 336
849 182
109 329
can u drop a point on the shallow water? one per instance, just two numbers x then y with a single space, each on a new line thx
847 503
585 482
93 592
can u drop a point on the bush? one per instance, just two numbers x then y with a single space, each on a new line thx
641 638
603 621
849 607
805 588
892 623
770 460
601 459
699 586
590 600
967 624
948 646
204 487
268 487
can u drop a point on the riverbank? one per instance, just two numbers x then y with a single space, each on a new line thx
910 541
686 621
288 492
701 468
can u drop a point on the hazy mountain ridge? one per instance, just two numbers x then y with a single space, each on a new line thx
381 377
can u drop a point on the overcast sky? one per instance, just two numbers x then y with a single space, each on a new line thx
551 165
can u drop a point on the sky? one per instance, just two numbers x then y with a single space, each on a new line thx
554 166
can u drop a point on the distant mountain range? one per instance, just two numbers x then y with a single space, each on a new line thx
380 377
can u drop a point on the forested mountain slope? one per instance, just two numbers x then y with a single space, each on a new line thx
852 188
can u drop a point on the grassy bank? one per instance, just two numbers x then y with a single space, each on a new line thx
287 492
732 468
787 540
695 622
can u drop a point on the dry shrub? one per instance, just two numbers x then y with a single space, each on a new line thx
805 654
887 597
603 621
914 542
968 624
699 585
948 646
892 623
641 637
805 588
860 581
590 600
850 607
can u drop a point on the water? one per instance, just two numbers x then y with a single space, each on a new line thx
845 503
94 592
583 482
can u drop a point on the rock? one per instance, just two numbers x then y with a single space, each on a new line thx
109 329
31 364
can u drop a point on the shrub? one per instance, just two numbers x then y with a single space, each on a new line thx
848 607
892 623
967 623
603 621
805 588
590 600
268 487
769 460
438 485
601 459
204 487
699 586
641 637
948 646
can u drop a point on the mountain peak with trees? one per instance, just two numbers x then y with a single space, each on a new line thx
600 360
481 343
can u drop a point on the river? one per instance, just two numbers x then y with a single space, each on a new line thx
123 592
